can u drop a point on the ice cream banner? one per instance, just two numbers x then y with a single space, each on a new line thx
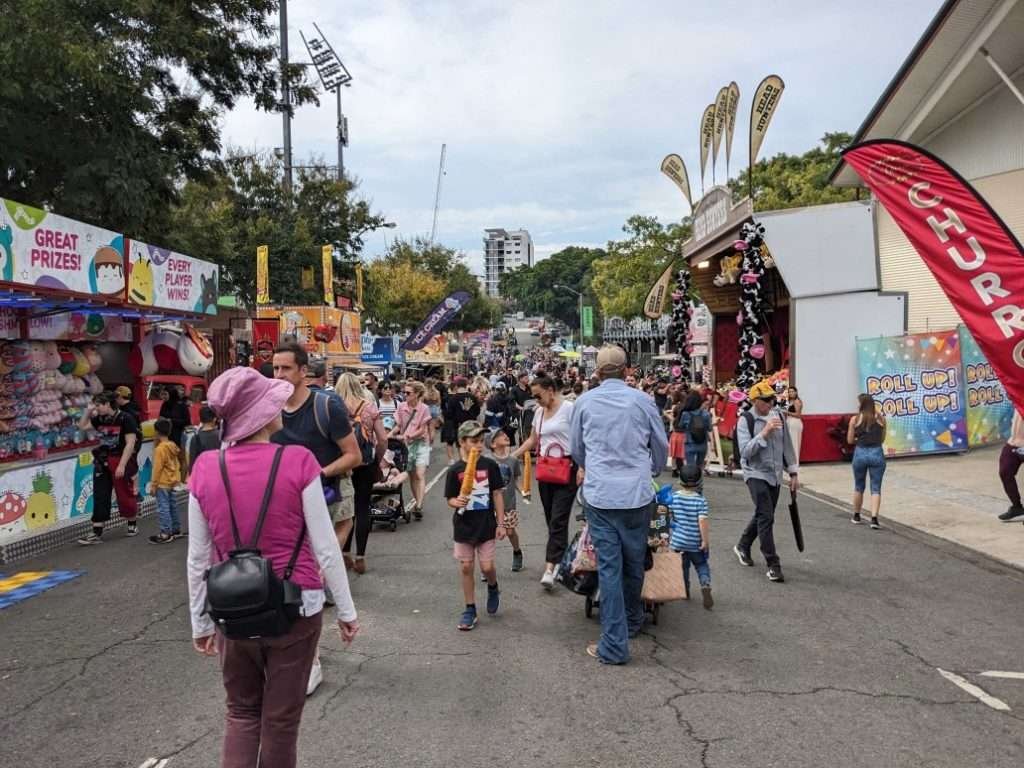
161 278
989 409
49 251
917 381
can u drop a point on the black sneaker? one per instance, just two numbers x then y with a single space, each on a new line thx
1012 512
775 573
743 556
708 600
89 539
417 514
856 518
133 529
492 599
179 534
161 538
875 525
517 561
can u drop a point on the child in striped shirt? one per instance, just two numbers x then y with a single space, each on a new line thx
690 531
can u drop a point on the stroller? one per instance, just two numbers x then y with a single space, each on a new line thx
387 499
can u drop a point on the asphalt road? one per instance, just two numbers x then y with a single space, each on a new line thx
836 667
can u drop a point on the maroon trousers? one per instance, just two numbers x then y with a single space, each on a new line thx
1009 463
265 682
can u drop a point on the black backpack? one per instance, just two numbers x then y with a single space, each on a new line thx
698 432
244 597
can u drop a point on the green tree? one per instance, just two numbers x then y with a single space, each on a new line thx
107 106
532 289
622 279
793 181
399 295
226 218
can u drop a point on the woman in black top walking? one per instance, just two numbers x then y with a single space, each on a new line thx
867 432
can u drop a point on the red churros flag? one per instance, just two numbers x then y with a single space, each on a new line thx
972 253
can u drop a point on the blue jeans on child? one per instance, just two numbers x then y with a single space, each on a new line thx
620 539
699 560
167 511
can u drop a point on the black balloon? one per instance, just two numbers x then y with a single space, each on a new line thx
681 317
752 304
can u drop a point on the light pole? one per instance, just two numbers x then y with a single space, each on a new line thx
579 298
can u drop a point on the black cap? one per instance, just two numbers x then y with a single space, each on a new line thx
690 476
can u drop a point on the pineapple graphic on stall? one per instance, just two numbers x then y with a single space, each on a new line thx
41 509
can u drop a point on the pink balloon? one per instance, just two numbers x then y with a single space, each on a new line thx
676 296
677 371
739 318
740 245
737 396
757 351
748 277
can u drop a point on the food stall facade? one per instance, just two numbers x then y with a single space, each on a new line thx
72 309
331 333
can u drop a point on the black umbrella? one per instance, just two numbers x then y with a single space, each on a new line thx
794 515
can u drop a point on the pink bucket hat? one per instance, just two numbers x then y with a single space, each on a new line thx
246 401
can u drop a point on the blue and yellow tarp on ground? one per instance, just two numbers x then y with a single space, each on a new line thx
21 586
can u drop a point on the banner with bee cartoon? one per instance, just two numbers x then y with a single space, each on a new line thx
161 278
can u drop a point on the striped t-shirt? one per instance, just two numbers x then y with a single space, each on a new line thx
687 509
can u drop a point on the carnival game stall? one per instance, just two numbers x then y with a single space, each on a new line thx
73 311
331 333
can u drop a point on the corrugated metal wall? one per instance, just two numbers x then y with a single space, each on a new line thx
903 270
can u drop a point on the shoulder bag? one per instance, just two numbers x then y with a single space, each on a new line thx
244 597
550 468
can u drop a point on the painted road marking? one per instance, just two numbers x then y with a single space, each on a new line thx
155 762
975 691
433 482
21 586
1004 675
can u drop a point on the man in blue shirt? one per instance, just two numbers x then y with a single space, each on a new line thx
618 440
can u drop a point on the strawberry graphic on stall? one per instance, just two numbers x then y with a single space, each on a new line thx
41 509
12 509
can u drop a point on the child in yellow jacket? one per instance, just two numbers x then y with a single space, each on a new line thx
166 475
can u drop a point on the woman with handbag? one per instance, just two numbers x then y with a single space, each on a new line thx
554 470
241 522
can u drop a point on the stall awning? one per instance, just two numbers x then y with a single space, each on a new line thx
39 301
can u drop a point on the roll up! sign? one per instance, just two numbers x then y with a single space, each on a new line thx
974 256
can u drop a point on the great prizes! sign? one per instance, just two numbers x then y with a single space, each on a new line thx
161 278
43 249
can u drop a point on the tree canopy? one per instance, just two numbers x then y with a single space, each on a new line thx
532 289
106 107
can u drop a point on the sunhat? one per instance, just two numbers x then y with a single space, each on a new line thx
246 401
762 391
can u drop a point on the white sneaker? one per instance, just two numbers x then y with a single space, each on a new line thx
316 676
548 580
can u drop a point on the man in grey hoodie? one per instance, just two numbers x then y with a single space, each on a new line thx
765 450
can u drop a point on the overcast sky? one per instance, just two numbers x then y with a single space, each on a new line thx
557 113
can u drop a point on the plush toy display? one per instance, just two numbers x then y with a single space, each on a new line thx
681 312
195 353
165 348
751 317
141 360
730 269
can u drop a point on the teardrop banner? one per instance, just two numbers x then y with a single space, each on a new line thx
707 132
721 114
654 304
732 104
975 258
674 167
437 320
762 110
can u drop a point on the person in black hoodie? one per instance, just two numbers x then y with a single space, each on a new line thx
176 411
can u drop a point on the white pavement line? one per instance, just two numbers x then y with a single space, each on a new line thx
433 482
827 502
1005 675
155 762
975 691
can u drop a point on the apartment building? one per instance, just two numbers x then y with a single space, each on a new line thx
504 250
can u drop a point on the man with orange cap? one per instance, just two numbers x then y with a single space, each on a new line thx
765 450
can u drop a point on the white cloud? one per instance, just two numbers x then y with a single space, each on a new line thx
557 114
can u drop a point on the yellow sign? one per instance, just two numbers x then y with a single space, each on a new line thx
359 286
307 278
262 274
327 255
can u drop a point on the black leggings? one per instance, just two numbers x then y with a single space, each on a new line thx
362 485
557 501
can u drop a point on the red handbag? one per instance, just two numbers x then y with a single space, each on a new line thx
556 470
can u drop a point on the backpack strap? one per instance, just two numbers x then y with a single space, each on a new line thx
264 505
320 403
295 552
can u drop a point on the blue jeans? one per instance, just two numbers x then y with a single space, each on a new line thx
167 511
868 459
699 560
620 538
696 454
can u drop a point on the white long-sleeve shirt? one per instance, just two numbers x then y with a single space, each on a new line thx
325 548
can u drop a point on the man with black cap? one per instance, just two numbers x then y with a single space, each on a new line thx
765 450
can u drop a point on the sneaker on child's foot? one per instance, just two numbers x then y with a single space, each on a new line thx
89 539
856 518
517 561
706 595
483 577
548 580
468 620
492 599
161 538
775 573
133 529
743 555
179 534
875 525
